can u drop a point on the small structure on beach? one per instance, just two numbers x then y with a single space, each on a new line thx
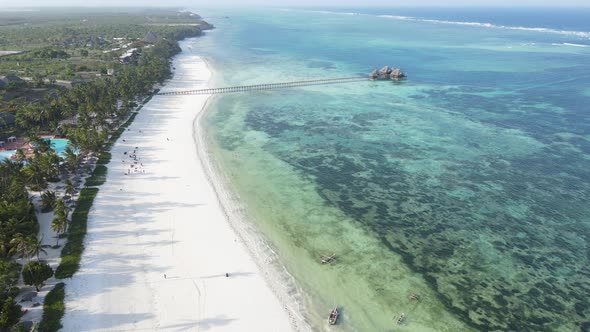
387 73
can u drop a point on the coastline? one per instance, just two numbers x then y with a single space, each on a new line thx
276 276
168 266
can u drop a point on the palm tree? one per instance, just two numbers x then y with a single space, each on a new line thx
71 158
20 155
40 145
19 245
27 246
35 247
69 187
8 170
59 223
33 176
47 200
50 165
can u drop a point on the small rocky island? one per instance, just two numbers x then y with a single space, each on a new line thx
387 73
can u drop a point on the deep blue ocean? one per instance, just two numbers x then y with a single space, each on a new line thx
467 184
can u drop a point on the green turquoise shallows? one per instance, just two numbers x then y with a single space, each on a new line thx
467 184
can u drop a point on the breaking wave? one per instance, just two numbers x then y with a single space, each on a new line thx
570 44
582 34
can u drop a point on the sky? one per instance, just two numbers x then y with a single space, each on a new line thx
324 3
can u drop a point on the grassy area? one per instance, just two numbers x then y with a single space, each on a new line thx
115 136
105 158
98 177
53 309
72 251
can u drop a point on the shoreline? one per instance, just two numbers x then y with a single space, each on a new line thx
276 276
176 263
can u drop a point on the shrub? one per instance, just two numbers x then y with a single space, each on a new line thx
35 273
53 309
98 177
72 251
105 158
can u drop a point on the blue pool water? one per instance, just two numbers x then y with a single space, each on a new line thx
59 145
6 154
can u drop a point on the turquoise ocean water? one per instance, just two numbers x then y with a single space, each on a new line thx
468 183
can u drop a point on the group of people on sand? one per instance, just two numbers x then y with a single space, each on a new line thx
135 164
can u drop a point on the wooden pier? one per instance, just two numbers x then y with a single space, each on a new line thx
267 86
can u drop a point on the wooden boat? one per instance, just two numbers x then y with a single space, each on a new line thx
400 319
333 316
328 259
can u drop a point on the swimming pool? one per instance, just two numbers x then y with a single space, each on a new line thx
59 145
6 154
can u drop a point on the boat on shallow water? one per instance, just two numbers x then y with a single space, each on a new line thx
333 316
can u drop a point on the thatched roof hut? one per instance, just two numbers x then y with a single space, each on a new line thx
150 38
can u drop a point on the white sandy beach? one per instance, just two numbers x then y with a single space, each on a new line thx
159 243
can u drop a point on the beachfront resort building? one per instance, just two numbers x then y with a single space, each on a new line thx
130 56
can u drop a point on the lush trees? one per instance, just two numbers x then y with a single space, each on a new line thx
50 53
70 159
59 223
10 313
47 200
27 246
17 215
35 273
9 272
69 187
97 106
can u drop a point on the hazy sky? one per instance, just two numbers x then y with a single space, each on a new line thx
358 3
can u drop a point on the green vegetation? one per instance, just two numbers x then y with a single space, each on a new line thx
99 176
18 227
104 158
53 309
69 80
47 201
35 273
121 130
72 251
10 313
59 224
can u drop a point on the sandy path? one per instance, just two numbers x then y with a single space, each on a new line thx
166 221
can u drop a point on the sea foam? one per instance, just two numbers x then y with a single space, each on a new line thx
582 34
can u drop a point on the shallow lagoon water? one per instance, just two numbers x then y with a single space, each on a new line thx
467 184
